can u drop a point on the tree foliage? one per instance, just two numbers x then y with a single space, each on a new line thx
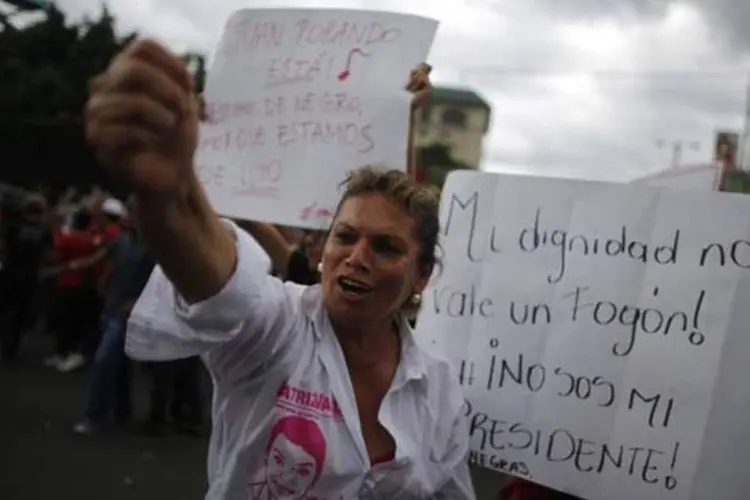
46 68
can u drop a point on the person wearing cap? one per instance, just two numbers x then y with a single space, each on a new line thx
79 251
107 213
113 208
71 245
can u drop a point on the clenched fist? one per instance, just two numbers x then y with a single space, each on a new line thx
142 119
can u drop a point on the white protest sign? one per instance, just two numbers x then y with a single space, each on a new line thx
296 98
601 333
705 177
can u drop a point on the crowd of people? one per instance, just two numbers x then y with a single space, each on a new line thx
73 267
319 389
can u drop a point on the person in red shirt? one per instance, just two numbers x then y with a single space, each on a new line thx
106 215
79 256
105 228
70 246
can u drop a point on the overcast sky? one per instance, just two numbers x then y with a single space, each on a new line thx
579 88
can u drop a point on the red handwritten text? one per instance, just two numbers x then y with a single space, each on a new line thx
339 133
240 139
267 173
286 70
248 34
259 180
323 132
347 71
211 175
218 112
305 102
337 32
316 212
328 102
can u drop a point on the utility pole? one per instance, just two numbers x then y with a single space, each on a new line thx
677 147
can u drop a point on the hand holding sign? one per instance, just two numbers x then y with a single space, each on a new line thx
142 118
419 85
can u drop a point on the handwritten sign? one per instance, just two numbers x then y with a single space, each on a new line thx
296 99
600 333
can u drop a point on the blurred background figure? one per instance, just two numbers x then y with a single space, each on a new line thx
175 399
27 238
124 269
77 267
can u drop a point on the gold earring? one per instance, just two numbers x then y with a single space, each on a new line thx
416 300
320 268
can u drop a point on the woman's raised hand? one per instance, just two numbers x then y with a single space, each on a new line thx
142 119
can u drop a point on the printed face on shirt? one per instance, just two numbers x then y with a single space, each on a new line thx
370 261
290 472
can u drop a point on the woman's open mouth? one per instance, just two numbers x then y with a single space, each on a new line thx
354 288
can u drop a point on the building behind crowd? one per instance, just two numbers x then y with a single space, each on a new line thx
723 173
449 133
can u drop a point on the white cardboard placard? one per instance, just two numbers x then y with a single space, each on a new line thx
601 333
296 99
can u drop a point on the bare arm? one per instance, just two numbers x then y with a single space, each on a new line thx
89 261
411 153
142 119
82 263
189 241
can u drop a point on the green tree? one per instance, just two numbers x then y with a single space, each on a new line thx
46 69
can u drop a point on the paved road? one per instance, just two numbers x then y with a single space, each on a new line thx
41 459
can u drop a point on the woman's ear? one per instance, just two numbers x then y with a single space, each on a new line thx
425 273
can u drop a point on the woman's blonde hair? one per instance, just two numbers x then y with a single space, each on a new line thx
419 201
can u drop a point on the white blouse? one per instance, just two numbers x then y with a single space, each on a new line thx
285 422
